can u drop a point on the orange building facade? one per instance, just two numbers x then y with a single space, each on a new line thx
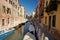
51 17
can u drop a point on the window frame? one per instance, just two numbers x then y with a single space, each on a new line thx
10 1
8 10
46 20
54 21
4 9
3 22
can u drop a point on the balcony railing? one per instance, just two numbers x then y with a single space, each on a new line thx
52 6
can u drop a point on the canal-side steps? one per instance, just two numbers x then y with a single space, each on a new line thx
6 34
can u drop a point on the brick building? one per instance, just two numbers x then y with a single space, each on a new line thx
40 10
10 14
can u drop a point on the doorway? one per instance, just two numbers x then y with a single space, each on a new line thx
49 23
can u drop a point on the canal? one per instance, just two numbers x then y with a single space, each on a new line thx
16 35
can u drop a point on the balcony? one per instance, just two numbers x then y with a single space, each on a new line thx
58 1
52 6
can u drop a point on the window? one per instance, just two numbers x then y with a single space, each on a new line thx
13 4
4 9
16 0
13 21
6 0
54 21
21 10
40 5
16 6
8 10
53 5
3 20
41 12
18 13
45 20
46 3
8 20
10 1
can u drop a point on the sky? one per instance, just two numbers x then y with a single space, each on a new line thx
29 5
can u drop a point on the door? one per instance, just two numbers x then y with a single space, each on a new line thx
49 23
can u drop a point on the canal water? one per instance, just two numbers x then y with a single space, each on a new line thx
26 27
19 33
16 35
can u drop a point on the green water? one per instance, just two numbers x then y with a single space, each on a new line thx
16 35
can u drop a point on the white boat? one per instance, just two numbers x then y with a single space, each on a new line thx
29 36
